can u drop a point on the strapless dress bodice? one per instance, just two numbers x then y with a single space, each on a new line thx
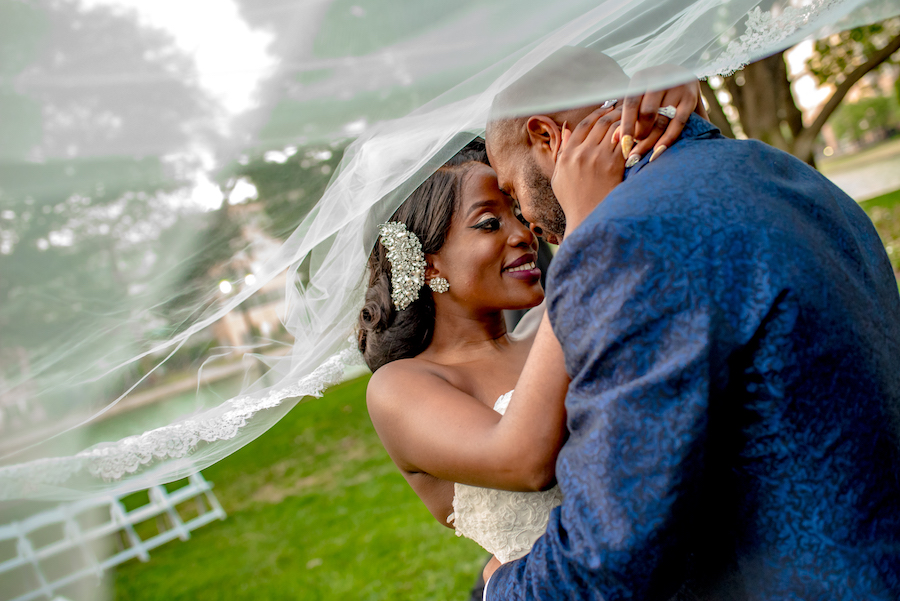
505 523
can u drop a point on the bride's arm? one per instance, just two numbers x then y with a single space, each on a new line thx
428 425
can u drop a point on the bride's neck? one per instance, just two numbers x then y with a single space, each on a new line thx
458 334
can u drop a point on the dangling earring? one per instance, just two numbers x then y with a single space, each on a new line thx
439 284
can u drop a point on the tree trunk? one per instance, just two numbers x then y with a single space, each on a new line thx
762 95
716 112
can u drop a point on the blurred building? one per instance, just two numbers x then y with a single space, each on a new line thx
261 316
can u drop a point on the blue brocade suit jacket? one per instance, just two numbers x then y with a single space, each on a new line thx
731 324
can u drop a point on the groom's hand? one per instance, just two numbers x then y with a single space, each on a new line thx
641 121
588 165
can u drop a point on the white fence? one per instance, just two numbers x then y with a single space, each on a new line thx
46 552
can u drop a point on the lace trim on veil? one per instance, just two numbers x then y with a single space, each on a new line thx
765 30
112 461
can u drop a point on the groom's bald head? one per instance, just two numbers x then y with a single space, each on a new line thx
527 108
583 77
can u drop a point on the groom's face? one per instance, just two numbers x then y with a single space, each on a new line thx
521 177
543 208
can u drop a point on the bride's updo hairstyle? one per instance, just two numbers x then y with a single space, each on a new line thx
386 334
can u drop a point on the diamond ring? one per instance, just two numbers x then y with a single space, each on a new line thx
667 111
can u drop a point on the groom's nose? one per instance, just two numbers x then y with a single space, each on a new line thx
549 238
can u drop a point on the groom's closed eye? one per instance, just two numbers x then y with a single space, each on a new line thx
521 217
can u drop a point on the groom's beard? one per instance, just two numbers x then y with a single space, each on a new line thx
545 209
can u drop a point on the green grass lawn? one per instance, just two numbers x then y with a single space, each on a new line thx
884 211
887 150
316 510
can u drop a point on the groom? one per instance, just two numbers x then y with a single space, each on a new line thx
731 325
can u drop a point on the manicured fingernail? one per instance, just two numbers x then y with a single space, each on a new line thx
616 134
627 145
632 160
657 151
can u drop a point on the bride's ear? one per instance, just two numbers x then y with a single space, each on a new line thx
430 270
544 136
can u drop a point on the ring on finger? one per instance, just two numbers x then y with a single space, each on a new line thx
609 103
668 111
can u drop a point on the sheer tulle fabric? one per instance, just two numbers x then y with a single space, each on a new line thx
447 75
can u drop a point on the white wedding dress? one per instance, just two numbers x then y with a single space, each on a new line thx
505 523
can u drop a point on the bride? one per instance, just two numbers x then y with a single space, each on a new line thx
446 368
444 363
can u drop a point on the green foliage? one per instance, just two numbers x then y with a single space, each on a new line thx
851 121
884 211
217 237
316 510
91 230
288 190
22 32
70 248
835 56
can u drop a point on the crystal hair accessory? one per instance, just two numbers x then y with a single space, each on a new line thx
404 253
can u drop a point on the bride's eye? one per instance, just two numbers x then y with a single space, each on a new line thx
491 224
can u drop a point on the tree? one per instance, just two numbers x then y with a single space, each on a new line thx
876 116
96 114
761 102
288 184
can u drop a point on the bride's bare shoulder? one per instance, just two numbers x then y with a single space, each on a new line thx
398 380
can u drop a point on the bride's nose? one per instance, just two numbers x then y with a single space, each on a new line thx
521 235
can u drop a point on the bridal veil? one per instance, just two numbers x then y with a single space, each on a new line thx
412 81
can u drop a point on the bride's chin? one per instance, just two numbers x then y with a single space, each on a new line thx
530 304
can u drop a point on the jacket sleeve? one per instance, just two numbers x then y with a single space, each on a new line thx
635 331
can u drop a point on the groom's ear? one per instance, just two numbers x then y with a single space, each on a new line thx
544 136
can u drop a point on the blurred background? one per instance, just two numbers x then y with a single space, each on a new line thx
155 154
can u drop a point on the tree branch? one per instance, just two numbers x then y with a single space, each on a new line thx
879 57
716 113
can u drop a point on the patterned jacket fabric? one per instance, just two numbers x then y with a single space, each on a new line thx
731 324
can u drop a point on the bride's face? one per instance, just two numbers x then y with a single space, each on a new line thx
489 255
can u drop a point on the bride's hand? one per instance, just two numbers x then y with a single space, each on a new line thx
642 123
588 165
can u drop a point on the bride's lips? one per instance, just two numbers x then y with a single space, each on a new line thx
523 268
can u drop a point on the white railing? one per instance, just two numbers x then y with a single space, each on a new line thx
85 529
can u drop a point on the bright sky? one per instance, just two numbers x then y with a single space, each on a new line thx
231 57
809 95
231 60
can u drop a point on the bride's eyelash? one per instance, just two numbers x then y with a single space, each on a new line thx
492 224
